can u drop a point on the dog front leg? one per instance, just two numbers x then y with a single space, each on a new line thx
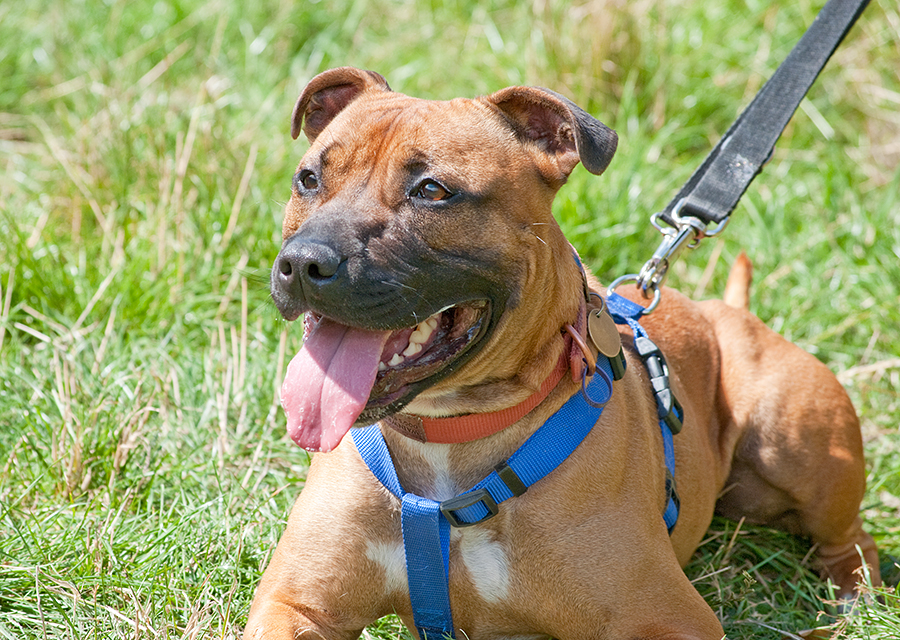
330 574
275 620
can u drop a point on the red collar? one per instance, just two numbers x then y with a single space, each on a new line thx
474 426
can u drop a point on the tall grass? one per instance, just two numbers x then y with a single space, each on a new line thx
144 160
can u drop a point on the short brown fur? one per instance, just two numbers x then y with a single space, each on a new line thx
768 428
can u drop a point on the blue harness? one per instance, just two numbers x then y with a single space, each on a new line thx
426 523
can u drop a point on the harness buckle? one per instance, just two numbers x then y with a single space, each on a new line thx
668 408
469 499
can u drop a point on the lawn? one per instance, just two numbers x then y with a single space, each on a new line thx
145 158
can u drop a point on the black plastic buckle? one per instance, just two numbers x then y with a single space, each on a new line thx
506 474
469 499
668 408
511 479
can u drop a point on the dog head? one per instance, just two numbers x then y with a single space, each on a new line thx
420 244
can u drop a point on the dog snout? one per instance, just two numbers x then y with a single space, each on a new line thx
301 271
309 263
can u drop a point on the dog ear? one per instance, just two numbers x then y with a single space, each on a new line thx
328 94
559 127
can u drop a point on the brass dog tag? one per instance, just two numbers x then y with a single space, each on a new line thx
603 332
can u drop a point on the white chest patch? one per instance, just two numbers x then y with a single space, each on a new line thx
437 458
484 557
486 563
390 557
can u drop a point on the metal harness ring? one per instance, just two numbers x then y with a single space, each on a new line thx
633 277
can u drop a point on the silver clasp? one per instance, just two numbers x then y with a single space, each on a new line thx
687 233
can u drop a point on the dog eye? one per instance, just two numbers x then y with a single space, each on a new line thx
307 179
432 190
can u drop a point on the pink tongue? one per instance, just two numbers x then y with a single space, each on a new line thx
328 383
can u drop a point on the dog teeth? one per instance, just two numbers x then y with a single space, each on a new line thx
413 349
420 335
423 331
397 359
417 340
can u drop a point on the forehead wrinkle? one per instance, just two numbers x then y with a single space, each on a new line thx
326 155
398 156
361 153
399 140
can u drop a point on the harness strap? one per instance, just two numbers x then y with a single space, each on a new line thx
669 412
426 523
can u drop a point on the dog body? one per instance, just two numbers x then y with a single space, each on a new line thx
433 219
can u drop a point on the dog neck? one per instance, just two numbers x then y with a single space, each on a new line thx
575 357
474 426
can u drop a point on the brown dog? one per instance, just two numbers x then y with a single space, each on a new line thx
420 243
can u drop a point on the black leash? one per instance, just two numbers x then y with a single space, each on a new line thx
713 191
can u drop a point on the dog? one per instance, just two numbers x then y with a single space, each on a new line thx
438 292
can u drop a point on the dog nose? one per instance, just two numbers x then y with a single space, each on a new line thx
312 262
301 269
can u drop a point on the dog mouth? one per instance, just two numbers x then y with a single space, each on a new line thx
415 355
345 376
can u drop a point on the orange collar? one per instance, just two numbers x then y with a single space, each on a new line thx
474 426
576 357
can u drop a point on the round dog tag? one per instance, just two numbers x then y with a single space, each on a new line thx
603 333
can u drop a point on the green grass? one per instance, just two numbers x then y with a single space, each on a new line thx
145 156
